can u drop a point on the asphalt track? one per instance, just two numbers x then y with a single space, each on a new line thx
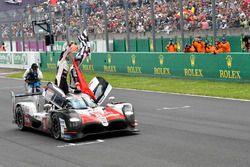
176 131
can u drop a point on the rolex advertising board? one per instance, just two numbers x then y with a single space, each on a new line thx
226 67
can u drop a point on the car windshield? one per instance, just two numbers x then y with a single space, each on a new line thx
81 102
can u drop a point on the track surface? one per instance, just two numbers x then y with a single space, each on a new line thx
176 131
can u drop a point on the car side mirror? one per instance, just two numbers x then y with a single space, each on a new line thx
47 107
69 106
111 99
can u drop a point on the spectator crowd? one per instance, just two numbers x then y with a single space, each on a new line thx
197 15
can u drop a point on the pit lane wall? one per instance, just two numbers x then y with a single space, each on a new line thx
18 60
224 67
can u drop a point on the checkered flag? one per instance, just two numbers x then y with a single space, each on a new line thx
84 44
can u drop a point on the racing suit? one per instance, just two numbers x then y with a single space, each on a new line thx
62 72
74 81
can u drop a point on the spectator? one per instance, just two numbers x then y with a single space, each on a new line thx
171 47
2 48
199 45
209 48
225 45
189 48
218 46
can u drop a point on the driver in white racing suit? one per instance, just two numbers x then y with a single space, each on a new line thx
62 70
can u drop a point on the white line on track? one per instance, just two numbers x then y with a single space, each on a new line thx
203 96
80 144
14 87
173 108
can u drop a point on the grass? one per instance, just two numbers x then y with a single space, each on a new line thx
197 87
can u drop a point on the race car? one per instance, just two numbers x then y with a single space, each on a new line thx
74 115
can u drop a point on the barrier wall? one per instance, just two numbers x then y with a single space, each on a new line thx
225 67
18 60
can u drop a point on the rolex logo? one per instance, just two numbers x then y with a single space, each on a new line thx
133 59
161 59
192 60
109 58
229 60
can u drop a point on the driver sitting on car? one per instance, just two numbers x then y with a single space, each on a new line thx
32 77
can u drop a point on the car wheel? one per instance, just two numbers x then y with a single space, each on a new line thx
20 118
55 127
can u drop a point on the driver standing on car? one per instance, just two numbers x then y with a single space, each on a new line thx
62 70
79 58
32 76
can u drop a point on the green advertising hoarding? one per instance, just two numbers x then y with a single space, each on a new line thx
5 58
226 67
20 58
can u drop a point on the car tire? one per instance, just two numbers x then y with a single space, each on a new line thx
20 118
55 127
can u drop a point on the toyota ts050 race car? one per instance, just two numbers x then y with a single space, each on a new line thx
75 115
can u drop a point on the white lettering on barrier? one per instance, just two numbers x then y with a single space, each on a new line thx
19 60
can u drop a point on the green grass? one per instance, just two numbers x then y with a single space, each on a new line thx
197 87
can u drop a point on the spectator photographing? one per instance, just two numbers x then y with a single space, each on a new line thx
32 77
171 47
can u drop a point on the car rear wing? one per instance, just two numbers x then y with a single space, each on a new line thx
15 98
22 95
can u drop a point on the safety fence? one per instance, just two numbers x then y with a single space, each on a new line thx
224 67
146 45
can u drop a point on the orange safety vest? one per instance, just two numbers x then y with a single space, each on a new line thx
200 46
226 47
171 48
210 49
218 48
192 49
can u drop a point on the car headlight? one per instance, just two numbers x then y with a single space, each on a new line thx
74 122
128 110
